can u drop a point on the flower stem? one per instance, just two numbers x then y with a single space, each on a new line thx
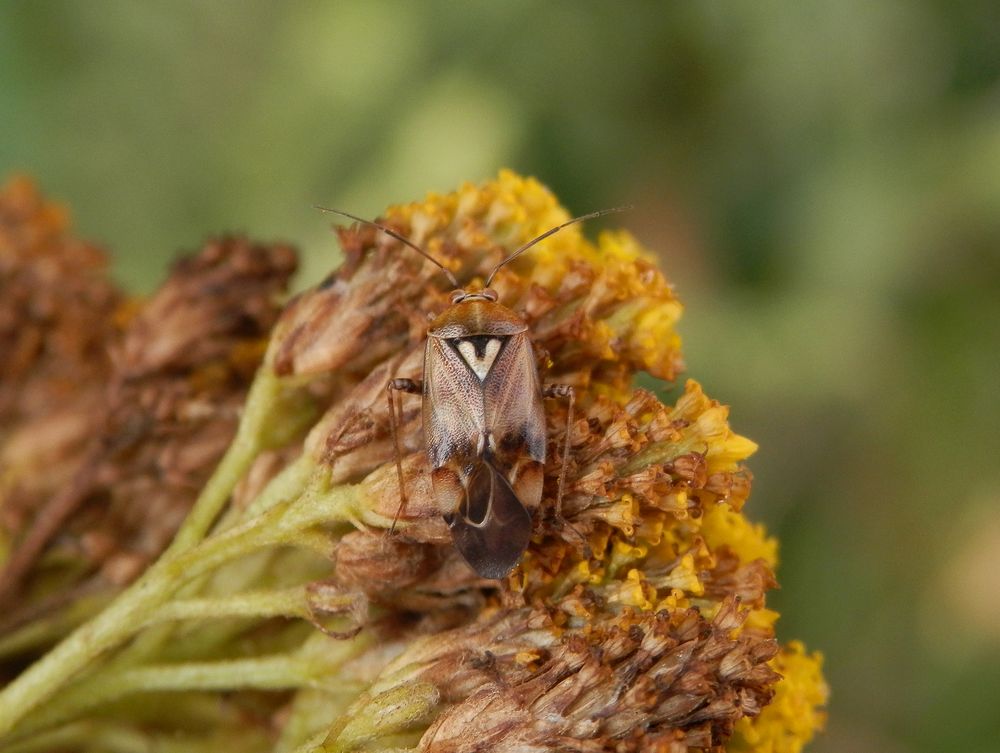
49 629
262 673
252 436
286 485
107 630
287 602
133 608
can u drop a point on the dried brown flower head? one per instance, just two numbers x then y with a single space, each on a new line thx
636 621
124 400
652 568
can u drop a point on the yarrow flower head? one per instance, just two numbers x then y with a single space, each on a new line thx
636 619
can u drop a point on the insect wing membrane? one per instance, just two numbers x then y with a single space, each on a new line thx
513 404
453 405
484 431
491 527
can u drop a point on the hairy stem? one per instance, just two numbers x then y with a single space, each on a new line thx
287 602
251 437
48 629
132 609
314 660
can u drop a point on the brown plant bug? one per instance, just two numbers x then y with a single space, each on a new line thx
483 420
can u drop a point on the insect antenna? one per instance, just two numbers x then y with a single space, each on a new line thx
549 232
393 234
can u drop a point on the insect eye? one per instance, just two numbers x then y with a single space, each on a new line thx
457 296
489 294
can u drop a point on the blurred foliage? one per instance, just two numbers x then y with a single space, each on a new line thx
821 179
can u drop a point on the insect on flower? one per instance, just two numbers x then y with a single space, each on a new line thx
483 420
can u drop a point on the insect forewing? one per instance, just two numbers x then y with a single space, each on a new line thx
491 527
453 414
484 431
512 401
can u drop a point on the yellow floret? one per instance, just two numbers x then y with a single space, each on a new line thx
721 526
793 716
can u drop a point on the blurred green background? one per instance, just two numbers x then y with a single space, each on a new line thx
822 181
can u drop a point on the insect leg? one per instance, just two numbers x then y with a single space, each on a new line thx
566 391
414 388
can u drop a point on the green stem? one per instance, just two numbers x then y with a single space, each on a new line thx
262 673
49 629
306 667
132 609
285 486
69 737
247 444
113 737
107 630
287 602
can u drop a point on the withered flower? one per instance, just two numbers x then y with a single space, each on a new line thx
57 317
636 621
117 410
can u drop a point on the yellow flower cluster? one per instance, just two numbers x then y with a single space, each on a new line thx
657 491
512 210
636 619
794 716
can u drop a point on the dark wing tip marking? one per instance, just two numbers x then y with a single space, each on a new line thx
492 528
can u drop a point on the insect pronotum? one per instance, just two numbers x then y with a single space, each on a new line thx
483 420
